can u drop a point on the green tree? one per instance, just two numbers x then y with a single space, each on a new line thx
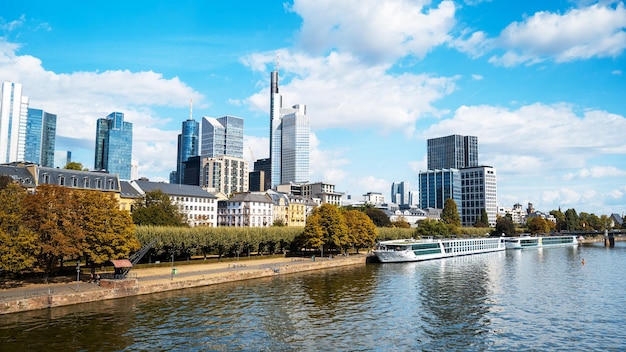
561 224
450 213
17 242
483 221
434 228
109 231
361 229
157 209
572 221
378 216
72 165
504 226
51 213
313 235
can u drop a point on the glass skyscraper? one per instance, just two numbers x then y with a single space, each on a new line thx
188 142
13 116
114 145
289 140
452 152
40 137
436 186
222 136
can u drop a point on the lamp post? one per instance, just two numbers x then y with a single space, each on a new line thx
77 274
172 266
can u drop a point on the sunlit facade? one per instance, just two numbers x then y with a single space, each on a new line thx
452 152
13 116
222 136
188 143
114 145
436 186
40 137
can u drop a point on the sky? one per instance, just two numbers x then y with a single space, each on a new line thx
542 84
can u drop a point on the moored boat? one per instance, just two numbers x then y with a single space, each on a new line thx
539 241
411 250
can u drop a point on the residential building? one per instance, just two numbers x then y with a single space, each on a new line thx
40 137
325 192
222 136
299 209
114 145
198 205
226 174
478 192
452 152
129 195
289 139
280 207
13 117
188 145
247 209
436 186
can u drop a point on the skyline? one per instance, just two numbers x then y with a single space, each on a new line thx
540 85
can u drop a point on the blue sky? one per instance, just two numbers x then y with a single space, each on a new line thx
541 83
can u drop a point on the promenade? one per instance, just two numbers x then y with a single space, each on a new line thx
160 279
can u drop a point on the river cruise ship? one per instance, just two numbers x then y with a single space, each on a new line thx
411 250
539 241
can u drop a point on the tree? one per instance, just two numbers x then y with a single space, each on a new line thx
109 231
5 181
327 224
313 235
157 209
401 223
72 165
572 221
504 226
361 229
483 221
560 220
537 225
378 216
52 214
17 242
428 227
450 213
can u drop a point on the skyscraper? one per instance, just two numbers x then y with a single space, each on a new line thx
222 136
289 139
188 142
40 137
452 152
114 145
13 116
401 194
436 186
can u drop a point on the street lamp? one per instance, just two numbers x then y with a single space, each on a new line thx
77 274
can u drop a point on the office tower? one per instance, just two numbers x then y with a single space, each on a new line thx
400 193
256 181
479 191
40 137
114 145
436 186
289 139
222 136
452 152
68 157
264 165
13 116
188 142
224 174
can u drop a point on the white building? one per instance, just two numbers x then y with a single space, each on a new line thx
325 192
249 209
479 191
226 174
373 198
13 118
198 205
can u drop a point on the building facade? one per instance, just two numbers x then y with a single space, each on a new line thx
401 194
13 117
222 136
436 186
41 129
114 145
479 191
289 139
452 152
188 145
264 165
325 192
224 174
246 210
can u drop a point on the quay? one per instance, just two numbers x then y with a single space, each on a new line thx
161 279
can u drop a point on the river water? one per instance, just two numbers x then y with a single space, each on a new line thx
527 300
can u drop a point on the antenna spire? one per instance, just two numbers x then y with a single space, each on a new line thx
191 109
277 62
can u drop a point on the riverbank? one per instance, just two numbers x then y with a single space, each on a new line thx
161 279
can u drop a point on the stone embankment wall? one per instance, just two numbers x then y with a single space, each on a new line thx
111 289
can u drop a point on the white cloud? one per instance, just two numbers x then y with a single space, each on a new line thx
593 31
596 172
377 31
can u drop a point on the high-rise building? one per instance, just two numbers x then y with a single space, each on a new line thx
114 145
437 186
264 165
40 137
289 139
222 136
452 152
13 117
479 192
188 143
400 193
224 174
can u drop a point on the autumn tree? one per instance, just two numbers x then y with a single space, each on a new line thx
378 216
401 223
51 213
537 225
313 235
157 209
361 229
327 225
5 181
17 242
73 165
109 231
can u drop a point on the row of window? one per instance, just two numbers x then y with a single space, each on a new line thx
111 183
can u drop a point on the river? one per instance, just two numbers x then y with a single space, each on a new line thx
525 300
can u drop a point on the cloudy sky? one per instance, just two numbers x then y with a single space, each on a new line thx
541 83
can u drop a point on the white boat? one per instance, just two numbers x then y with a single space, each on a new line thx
539 241
411 250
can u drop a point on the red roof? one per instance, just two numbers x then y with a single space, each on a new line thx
122 263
